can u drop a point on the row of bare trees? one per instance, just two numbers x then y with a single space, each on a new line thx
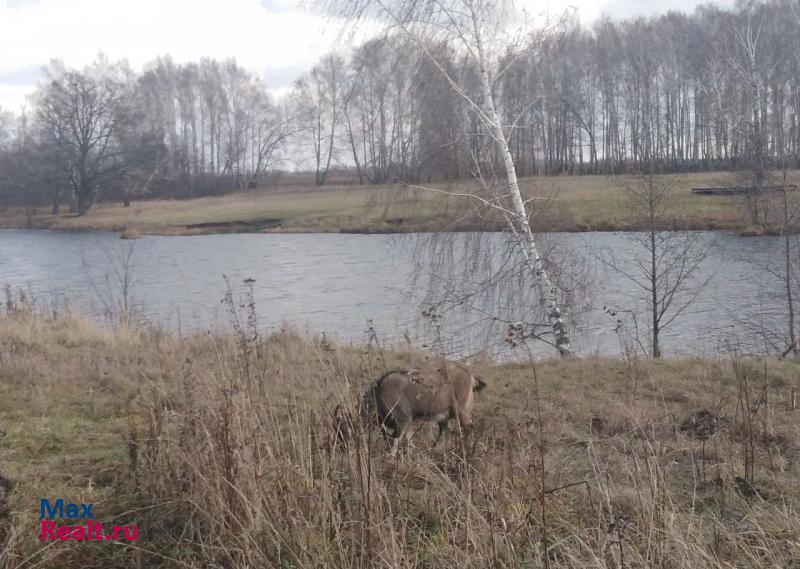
214 118
104 131
717 89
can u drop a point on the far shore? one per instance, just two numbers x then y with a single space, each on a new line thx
566 204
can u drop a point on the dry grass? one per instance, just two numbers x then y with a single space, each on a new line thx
576 203
218 448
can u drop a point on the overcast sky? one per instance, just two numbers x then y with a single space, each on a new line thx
276 38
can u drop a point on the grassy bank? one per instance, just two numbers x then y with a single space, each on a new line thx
218 448
575 203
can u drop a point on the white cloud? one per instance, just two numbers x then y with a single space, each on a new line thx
627 8
76 30
12 97
33 33
275 38
591 10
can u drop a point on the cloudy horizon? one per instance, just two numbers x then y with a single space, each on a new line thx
278 40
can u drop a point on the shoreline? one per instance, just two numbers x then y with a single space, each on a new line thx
246 228
386 228
565 204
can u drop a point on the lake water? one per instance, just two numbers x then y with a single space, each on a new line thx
336 283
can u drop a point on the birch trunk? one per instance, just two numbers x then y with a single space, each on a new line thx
521 226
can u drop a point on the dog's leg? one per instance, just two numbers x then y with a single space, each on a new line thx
443 425
402 424
395 446
411 431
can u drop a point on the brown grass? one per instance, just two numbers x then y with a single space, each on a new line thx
573 203
219 448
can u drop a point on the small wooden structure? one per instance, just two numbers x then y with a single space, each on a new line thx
738 190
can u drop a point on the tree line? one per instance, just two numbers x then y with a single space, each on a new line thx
715 89
173 130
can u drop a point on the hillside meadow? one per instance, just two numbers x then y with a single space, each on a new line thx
219 447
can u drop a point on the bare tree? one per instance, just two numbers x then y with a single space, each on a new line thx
18 169
318 98
114 283
77 116
778 333
378 106
750 65
665 267
6 121
790 274
274 126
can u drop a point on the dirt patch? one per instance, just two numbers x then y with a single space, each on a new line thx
704 424
743 487
130 234
254 226
784 445
609 427
675 396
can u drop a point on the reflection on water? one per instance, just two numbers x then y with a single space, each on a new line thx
336 283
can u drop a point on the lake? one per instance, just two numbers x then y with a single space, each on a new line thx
336 284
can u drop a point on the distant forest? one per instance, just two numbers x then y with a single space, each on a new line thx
717 89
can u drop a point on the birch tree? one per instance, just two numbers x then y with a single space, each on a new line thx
318 99
477 27
750 66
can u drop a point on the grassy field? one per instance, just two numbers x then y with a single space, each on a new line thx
571 203
218 448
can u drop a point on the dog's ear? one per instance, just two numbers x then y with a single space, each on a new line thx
478 384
